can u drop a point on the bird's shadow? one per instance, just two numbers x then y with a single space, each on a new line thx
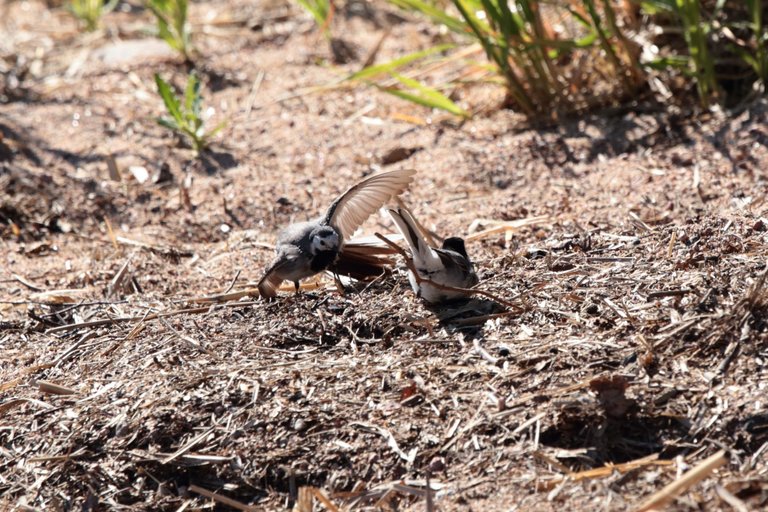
465 315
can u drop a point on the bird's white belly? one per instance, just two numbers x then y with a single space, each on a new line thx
430 293
297 273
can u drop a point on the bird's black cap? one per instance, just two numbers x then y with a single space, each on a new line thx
455 244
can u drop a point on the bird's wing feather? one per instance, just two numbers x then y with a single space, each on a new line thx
272 279
354 206
458 266
269 284
364 261
423 255
287 265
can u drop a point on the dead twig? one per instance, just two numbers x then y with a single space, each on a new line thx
54 389
685 482
391 441
601 472
503 226
232 283
730 499
26 283
188 445
222 499
164 251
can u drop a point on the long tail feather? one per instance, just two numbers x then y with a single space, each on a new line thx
423 255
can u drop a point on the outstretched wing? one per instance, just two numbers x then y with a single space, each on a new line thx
354 206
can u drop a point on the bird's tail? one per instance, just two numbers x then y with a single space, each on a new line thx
423 255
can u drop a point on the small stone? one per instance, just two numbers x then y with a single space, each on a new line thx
436 465
140 173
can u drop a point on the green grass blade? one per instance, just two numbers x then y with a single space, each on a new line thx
181 14
410 97
168 123
180 25
110 6
172 26
192 95
605 43
498 55
216 129
481 32
434 12
427 96
319 9
387 67
680 62
656 6
169 99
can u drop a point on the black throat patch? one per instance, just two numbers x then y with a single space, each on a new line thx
323 259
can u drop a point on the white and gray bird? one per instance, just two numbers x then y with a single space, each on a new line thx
307 248
447 266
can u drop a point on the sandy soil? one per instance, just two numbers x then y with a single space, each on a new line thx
638 337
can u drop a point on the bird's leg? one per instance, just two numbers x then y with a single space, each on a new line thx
296 285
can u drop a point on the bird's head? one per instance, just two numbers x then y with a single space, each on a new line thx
324 239
455 244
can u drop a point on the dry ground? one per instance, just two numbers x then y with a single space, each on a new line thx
647 274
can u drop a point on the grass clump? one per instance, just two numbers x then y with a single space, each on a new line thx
699 62
721 47
559 57
754 49
89 12
548 55
185 114
172 24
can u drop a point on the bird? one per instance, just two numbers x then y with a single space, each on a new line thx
307 248
448 266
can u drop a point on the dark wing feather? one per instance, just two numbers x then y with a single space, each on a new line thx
460 266
353 207
363 261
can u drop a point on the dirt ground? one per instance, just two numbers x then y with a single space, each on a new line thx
637 348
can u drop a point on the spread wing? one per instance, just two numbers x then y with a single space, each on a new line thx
354 206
